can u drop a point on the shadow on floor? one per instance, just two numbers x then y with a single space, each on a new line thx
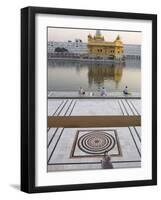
15 186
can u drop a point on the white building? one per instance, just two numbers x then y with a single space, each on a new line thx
76 47
131 51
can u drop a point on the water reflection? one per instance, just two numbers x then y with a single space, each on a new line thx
70 75
99 73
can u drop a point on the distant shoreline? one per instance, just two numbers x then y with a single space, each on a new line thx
88 60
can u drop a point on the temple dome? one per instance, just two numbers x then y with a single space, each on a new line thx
118 37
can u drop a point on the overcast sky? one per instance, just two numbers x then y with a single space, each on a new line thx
65 34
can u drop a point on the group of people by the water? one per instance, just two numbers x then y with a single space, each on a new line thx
103 91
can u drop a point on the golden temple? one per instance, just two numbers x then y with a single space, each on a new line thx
98 47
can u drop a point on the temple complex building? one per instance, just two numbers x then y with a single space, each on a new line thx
97 46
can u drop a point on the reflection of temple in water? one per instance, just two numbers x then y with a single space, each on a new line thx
99 73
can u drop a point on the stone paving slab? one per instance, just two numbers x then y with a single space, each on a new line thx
59 107
61 156
62 143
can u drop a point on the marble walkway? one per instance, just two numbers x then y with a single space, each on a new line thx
74 94
83 148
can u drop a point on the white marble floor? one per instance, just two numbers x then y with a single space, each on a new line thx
82 148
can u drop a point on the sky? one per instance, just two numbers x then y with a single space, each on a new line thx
65 34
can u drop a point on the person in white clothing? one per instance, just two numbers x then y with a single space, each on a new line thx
103 92
125 91
81 91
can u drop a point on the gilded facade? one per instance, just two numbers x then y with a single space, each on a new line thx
97 46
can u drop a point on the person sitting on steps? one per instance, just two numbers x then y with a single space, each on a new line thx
106 161
125 91
81 91
103 92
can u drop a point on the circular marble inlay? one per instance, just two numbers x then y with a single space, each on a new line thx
96 142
